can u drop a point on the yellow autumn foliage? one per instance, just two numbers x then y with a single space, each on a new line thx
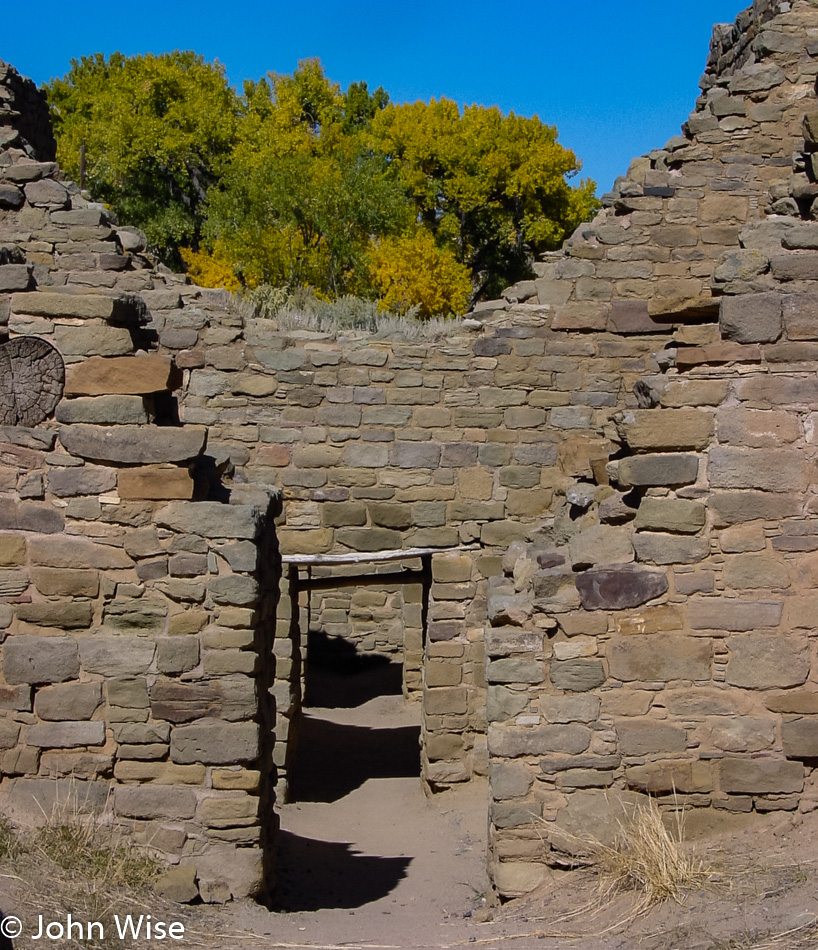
411 270
210 269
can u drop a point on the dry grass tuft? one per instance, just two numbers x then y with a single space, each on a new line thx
651 859
75 864
648 858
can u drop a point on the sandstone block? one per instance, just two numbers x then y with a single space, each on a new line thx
451 568
133 444
154 801
675 515
388 515
514 670
565 709
721 613
751 318
666 469
308 541
138 615
600 544
767 661
649 736
446 701
510 742
645 658
17 698
779 470
14 276
669 549
735 507
34 659
760 776
65 735
776 390
27 516
9 733
795 265
13 583
369 539
140 733
215 743
694 392
742 734
67 615
671 775
47 193
415 455
799 737
82 480
344 513
209 519
120 375
646 430
229 698
620 588
155 482
577 675
116 655
503 703
177 884
236 779
233 589
755 572
224 811
757 429
177 654
12 550
237 872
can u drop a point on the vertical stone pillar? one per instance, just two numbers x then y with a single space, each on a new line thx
287 687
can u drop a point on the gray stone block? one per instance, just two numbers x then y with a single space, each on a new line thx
210 519
33 659
751 318
65 735
68 701
116 656
617 589
215 743
660 658
133 444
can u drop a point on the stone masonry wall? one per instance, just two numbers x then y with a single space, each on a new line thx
614 463
136 622
661 640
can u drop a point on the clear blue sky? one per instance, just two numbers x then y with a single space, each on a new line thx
617 79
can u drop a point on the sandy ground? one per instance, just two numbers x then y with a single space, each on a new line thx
366 860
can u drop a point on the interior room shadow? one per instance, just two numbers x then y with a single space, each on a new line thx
334 759
339 676
319 875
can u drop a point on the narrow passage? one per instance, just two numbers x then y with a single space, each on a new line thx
362 850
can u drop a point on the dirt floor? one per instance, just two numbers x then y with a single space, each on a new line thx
366 860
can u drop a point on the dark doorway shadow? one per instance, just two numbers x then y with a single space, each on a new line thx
334 759
319 875
339 676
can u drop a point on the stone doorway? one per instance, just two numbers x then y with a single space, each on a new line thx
335 670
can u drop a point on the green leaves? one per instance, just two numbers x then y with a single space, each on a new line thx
157 131
492 187
296 182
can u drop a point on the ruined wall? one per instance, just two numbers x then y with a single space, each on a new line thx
614 462
662 641
136 623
